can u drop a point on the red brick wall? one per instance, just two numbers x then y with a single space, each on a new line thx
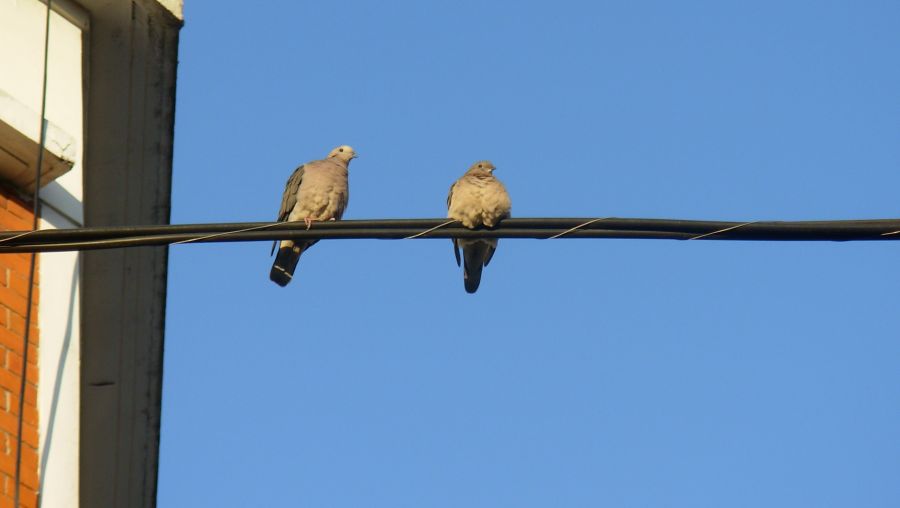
16 214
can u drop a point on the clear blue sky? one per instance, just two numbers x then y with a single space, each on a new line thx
584 372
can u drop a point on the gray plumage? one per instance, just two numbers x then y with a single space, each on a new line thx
317 190
477 199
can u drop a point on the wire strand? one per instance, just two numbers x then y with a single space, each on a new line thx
576 228
20 235
214 235
429 230
722 230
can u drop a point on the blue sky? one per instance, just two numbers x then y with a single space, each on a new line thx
583 372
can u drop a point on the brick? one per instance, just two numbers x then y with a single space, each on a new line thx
13 383
14 365
29 474
14 302
17 320
16 263
9 380
10 424
15 294
13 342
31 412
10 340
20 209
32 417
28 496
29 458
30 408
19 284
17 325
10 222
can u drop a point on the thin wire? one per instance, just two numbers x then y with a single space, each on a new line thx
439 226
20 235
206 237
30 297
722 230
588 223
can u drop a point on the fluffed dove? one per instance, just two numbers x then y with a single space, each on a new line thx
317 190
477 199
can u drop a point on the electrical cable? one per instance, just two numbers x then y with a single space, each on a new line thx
31 268
395 229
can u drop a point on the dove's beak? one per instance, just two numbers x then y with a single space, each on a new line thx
355 155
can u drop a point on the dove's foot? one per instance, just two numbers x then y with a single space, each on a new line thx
308 221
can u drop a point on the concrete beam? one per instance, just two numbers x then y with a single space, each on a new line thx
129 120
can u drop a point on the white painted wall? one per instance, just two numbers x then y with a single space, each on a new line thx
21 57
58 389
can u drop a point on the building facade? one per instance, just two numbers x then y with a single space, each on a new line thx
91 414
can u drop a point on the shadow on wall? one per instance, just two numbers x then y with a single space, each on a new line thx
60 368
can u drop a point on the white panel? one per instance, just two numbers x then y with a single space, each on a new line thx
58 384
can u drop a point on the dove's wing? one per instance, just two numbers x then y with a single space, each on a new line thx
289 199
490 253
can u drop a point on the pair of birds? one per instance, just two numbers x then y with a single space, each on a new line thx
318 191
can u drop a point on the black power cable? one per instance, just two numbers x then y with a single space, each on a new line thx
394 229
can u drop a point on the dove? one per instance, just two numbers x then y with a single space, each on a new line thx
477 199
316 191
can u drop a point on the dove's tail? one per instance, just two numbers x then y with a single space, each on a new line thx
285 263
475 257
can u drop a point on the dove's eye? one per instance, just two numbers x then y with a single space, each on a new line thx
340 150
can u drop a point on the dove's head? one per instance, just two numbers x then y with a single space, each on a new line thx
342 153
482 168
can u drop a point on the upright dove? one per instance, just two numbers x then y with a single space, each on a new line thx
316 191
477 199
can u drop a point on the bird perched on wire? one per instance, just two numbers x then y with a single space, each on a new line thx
316 191
477 199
